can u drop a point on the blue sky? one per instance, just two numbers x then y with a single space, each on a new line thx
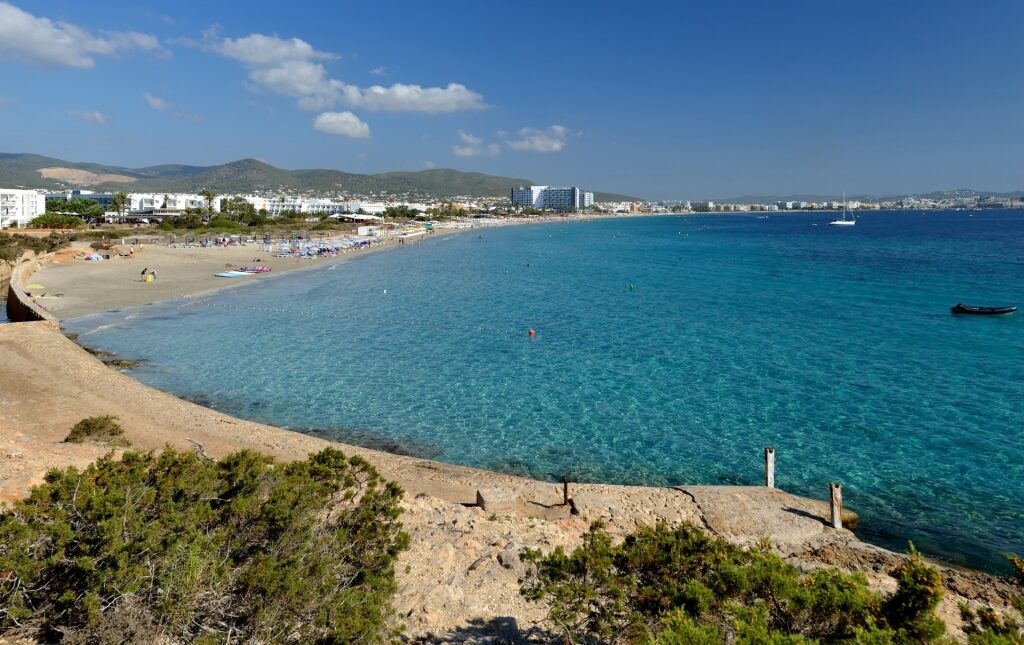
692 100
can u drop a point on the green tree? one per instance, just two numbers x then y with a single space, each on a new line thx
208 195
83 207
190 218
177 547
120 202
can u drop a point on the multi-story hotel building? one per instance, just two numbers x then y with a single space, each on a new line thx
18 207
565 199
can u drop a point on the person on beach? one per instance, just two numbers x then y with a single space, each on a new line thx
143 274
153 273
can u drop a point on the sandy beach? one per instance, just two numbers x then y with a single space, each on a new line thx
463 566
75 287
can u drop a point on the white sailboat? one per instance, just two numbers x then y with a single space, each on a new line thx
844 221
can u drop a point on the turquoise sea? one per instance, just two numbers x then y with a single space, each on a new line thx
668 350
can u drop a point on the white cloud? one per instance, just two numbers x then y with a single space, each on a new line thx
379 71
262 50
429 164
344 124
472 140
25 38
155 102
289 67
532 140
162 105
413 98
473 146
87 116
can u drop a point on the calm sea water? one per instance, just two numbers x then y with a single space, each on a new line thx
668 350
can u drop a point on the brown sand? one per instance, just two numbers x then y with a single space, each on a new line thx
91 287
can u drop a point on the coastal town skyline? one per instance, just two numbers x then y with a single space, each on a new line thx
671 103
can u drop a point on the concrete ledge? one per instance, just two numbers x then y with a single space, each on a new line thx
496 500
20 306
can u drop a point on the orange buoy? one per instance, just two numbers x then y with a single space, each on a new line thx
532 333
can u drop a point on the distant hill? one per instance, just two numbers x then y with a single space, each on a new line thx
249 175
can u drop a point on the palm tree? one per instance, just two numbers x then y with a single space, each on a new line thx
209 196
120 202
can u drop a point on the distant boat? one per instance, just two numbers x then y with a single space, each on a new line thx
844 221
961 308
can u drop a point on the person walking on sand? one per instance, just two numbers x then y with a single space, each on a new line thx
143 274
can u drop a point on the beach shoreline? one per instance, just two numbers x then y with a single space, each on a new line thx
51 383
88 288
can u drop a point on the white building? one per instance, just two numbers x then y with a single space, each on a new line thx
563 199
528 196
19 207
138 201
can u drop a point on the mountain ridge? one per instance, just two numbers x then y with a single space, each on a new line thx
253 175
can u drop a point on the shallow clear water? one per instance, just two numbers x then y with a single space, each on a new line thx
836 346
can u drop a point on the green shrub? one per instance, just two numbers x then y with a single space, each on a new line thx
13 246
103 234
681 585
986 627
177 547
224 224
105 428
56 220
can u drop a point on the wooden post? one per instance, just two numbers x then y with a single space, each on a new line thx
565 491
836 502
769 467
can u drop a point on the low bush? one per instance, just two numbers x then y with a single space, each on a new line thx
985 627
104 428
681 585
56 220
13 246
176 547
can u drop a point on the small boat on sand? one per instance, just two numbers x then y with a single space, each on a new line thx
231 274
961 308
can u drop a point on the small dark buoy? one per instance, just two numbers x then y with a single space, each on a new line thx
532 333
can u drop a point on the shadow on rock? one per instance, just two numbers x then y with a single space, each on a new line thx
500 630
